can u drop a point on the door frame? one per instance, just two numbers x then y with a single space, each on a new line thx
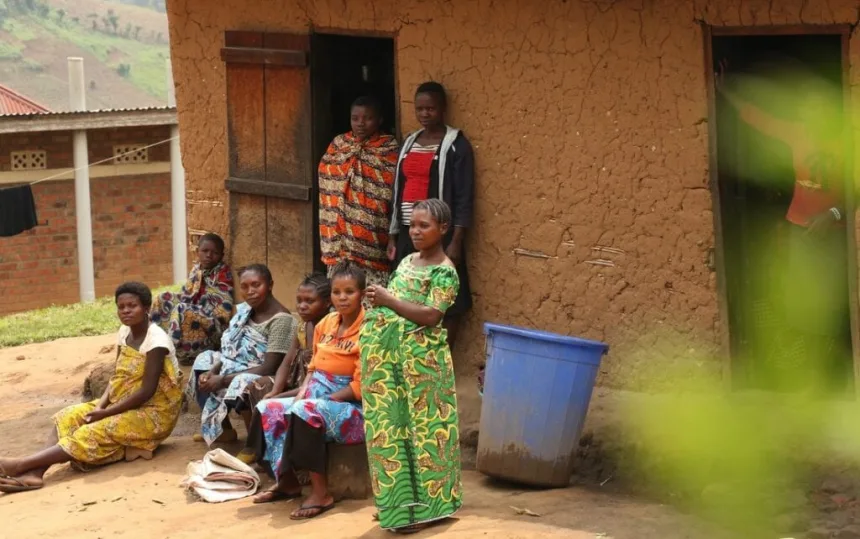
844 31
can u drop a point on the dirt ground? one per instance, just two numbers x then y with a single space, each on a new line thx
143 499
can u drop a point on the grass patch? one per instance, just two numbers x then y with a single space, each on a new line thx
9 51
58 322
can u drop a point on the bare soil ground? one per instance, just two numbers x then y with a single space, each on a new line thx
143 499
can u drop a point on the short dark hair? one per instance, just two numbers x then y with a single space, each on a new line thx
143 293
319 282
438 209
370 102
351 270
214 238
435 89
260 269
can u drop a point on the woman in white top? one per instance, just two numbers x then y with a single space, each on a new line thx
137 411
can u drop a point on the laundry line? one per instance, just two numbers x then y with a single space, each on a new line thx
90 165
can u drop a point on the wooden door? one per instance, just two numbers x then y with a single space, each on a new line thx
271 164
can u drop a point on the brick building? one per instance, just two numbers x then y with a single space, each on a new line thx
598 202
130 203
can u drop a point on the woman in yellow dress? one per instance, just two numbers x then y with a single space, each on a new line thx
137 412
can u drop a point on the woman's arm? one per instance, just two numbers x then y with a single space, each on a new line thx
421 315
271 362
282 334
284 370
151 373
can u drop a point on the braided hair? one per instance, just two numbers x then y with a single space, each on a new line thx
350 270
320 283
437 209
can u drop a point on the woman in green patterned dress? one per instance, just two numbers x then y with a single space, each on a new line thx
410 407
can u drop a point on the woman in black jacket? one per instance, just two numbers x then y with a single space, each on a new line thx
435 162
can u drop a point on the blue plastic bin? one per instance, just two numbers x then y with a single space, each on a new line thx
537 387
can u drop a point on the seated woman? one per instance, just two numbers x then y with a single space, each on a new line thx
260 335
137 411
313 300
196 317
410 405
327 407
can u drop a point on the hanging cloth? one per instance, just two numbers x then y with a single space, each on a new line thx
17 210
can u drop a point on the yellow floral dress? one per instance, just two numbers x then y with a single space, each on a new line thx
143 428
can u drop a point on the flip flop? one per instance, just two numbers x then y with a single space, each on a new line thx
19 486
319 508
275 496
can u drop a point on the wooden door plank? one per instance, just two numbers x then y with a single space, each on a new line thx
288 116
246 114
247 159
289 160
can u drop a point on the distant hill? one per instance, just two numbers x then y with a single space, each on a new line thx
123 43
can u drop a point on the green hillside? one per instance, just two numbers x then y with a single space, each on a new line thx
120 44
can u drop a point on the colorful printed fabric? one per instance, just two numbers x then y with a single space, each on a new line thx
356 179
242 347
196 317
145 427
410 407
342 421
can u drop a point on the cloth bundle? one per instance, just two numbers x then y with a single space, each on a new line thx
221 477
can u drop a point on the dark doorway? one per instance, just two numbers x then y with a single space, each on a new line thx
756 174
344 68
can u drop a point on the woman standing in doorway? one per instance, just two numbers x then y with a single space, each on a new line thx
436 162
356 176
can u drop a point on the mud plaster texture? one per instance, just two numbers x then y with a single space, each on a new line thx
589 122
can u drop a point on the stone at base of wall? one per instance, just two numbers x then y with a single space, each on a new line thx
348 472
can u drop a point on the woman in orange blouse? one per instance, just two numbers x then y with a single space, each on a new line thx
326 408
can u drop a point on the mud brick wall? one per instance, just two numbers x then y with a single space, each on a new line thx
131 219
589 121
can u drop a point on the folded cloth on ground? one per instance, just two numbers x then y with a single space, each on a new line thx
221 477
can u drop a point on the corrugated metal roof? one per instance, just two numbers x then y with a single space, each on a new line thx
11 102
90 119
70 113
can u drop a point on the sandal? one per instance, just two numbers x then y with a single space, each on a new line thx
320 509
270 496
17 485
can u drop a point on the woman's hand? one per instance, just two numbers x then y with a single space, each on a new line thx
392 247
378 296
95 415
212 383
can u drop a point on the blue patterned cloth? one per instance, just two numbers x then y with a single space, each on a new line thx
242 348
342 421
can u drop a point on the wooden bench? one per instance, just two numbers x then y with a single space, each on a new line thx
348 472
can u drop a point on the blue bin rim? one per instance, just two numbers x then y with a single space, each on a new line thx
545 336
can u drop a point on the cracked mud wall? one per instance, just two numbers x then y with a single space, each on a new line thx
589 121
